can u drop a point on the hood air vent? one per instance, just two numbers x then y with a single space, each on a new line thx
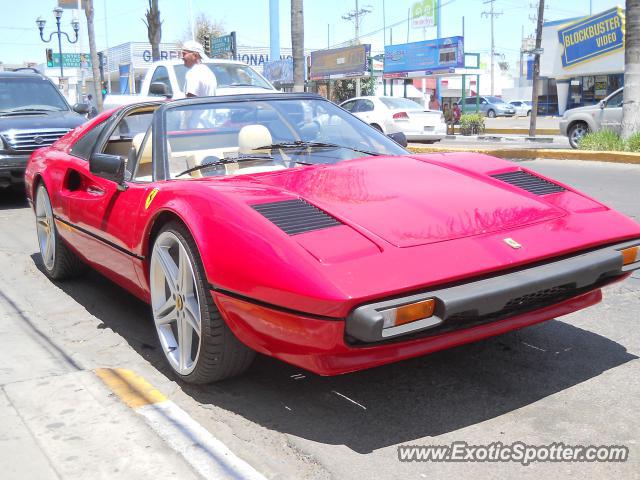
529 182
296 216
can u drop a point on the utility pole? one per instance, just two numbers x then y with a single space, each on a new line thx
491 13
355 17
536 70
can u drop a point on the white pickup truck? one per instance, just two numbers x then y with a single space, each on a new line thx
166 79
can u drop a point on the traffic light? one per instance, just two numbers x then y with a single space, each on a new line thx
207 45
49 53
104 89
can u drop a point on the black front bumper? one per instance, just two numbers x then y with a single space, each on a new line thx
12 169
494 298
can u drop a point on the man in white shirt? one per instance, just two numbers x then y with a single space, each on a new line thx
199 80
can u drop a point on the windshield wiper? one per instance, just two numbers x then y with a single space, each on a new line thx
303 144
242 157
28 109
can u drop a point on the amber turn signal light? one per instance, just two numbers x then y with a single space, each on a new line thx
629 255
408 313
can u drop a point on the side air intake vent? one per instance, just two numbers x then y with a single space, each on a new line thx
529 182
296 216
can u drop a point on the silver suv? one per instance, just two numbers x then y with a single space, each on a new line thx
606 114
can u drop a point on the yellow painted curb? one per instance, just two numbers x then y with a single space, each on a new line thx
533 153
519 131
131 388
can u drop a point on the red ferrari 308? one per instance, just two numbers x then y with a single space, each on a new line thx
282 224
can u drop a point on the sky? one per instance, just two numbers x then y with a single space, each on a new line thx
120 21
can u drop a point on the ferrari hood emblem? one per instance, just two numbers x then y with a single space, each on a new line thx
512 243
150 197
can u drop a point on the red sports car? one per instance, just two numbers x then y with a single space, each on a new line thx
282 224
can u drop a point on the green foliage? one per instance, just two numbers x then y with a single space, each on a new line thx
603 141
345 89
633 142
472 124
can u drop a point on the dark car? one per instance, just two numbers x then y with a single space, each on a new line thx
33 114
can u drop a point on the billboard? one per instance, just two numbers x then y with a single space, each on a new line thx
592 36
340 62
423 14
279 71
426 57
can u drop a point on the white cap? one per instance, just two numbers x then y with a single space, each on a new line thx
193 46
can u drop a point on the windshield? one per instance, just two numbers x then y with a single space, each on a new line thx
495 100
24 94
229 75
401 103
264 135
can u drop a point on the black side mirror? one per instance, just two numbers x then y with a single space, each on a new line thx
159 88
110 167
81 108
399 137
277 85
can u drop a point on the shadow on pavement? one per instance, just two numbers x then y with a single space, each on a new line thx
12 198
384 406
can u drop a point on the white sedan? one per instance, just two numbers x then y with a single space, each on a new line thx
396 114
523 107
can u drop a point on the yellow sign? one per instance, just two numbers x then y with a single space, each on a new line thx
150 197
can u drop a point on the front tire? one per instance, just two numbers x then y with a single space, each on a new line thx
576 132
197 343
59 262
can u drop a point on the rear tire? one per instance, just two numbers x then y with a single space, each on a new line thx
59 262
196 341
491 114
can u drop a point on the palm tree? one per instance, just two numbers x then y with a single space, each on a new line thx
631 106
154 28
95 67
297 45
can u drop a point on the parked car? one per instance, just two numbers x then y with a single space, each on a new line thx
319 242
606 114
522 107
490 106
33 114
397 114
166 78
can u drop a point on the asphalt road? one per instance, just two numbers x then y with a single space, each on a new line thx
574 380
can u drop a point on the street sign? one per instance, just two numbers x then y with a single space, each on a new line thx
70 60
222 45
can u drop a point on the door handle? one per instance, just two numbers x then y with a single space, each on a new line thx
93 190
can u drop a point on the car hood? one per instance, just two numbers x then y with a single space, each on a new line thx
586 109
34 121
408 201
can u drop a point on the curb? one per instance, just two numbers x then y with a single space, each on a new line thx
540 153
519 131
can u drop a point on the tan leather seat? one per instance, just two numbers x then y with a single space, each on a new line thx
251 137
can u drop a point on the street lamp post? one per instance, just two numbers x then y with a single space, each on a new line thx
57 12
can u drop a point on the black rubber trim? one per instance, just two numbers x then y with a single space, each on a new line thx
271 306
99 238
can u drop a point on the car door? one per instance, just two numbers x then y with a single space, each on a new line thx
364 108
102 213
611 114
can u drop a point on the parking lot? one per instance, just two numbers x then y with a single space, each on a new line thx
574 380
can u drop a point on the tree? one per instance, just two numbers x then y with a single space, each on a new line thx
204 26
154 28
297 45
631 105
346 89
95 65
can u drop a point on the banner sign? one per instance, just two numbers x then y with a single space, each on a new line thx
71 60
427 57
423 14
221 45
124 71
279 71
70 4
340 62
592 37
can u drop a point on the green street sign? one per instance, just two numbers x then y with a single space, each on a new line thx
221 45
70 60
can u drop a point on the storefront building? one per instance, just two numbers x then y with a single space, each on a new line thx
583 59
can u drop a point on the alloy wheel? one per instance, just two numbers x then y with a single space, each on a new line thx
175 303
45 228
